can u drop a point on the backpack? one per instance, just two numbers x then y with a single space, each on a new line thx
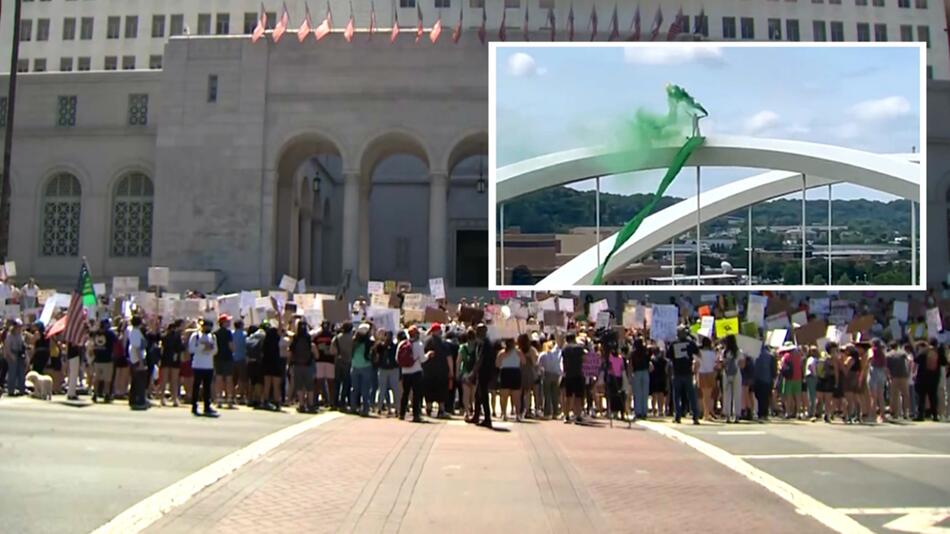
404 355
254 348
787 369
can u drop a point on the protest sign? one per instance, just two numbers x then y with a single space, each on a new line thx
375 288
809 333
777 337
125 285
99 289
436 315
158 276
566 304
389 286
899 310
755 311
799 318
664 322
379 300
861 324
750 329
779 320
895 329
413 301
287 283
934 322
555 319
336 311
749 346
384 318
230 304
727 327
437 288
706 325
820 306
470 315
301 286
597 307
603 320
9 268
704 311
841 312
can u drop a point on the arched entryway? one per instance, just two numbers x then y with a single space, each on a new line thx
307 231
395 210
467 215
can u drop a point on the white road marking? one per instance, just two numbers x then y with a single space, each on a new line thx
893 511
142 514
803 502
879 455
740 432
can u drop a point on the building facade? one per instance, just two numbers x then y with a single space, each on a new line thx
67 35
327 161
358 161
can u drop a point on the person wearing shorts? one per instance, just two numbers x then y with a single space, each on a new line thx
572 356
326 366
791 373
301 350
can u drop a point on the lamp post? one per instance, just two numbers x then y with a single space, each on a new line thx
8 136
316 184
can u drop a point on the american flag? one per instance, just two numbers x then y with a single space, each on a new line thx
282 24
635 36
457 34
306 26
593 22
395 32
419 30
261 26
436 30
657 22
614 23
481 29
76 331
677 27
326 26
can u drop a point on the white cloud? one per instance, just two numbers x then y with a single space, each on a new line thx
882 109
761 121
672 55
522 65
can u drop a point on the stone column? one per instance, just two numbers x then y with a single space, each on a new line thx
364 235
306 241
438 223
351 222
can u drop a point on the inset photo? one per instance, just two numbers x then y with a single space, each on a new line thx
685 165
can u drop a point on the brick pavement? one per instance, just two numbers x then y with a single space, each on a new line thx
371 475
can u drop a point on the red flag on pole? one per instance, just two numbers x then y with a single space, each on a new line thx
552 22
419 30
593 22
372 19
457 33
350 27
395 32
635 36
570 23
657 22
304 31
261 26
326 26
676 27
614 29
525 28
481 29
282 24
436 30
502 31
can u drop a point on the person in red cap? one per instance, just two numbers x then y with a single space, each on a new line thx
224 361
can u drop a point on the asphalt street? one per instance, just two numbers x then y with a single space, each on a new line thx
72 467
876 474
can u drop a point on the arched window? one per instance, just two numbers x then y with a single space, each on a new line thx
62 200
132 217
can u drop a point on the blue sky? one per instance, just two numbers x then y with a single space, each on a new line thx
556 98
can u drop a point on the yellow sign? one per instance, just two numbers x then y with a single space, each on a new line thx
389 287
727 327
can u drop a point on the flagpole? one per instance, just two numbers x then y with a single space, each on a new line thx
829 235
8 136
749 273
698 208
913 243
501 223
673 261
804 225
597 214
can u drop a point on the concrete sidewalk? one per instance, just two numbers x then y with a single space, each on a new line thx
372 475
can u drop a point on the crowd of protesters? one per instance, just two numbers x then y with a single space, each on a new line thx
575 373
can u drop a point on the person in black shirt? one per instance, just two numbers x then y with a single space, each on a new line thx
437 371
172 348
572 356
684 354
103 345
640 380
224 361
387 371
484 372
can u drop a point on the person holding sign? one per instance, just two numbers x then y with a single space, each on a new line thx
685 357
509 361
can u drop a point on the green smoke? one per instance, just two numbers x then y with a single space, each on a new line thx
642 134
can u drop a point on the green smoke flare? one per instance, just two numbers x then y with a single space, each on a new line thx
646 131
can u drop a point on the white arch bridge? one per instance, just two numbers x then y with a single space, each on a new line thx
796 166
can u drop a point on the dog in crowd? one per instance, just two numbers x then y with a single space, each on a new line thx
42 385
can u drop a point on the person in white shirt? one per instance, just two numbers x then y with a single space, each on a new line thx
707 377
412 377
136 345
203 346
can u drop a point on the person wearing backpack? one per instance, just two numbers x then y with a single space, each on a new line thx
254 353
791 371
731 361
409 356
